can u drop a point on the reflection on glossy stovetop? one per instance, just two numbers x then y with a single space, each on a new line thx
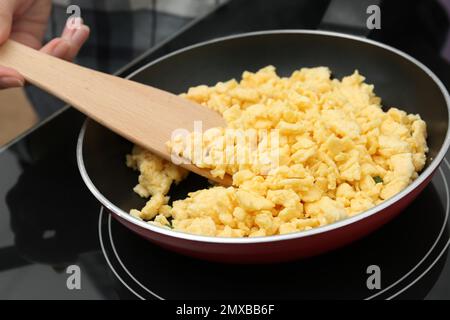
49 220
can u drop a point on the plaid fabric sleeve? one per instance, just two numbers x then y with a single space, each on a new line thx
120 31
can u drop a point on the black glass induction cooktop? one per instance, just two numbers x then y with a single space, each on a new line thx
56 242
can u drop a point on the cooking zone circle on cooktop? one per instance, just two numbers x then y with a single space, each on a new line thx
407 252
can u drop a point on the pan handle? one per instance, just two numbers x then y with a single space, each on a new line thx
349 16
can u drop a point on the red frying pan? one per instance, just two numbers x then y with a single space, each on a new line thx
398 78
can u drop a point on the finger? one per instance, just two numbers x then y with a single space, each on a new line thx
72 24
76 33
57 47
10 78
79 37
70 43
6 14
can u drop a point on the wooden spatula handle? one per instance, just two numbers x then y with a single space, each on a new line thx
140 113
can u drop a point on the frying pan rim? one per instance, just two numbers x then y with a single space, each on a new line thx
290 236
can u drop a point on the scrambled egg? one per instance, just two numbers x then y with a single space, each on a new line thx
338 154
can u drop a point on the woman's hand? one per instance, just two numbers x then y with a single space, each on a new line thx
25 21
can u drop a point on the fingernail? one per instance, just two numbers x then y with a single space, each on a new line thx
74 23
10 82
68 33
61 49
79 36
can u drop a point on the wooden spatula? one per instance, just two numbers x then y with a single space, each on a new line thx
142 114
